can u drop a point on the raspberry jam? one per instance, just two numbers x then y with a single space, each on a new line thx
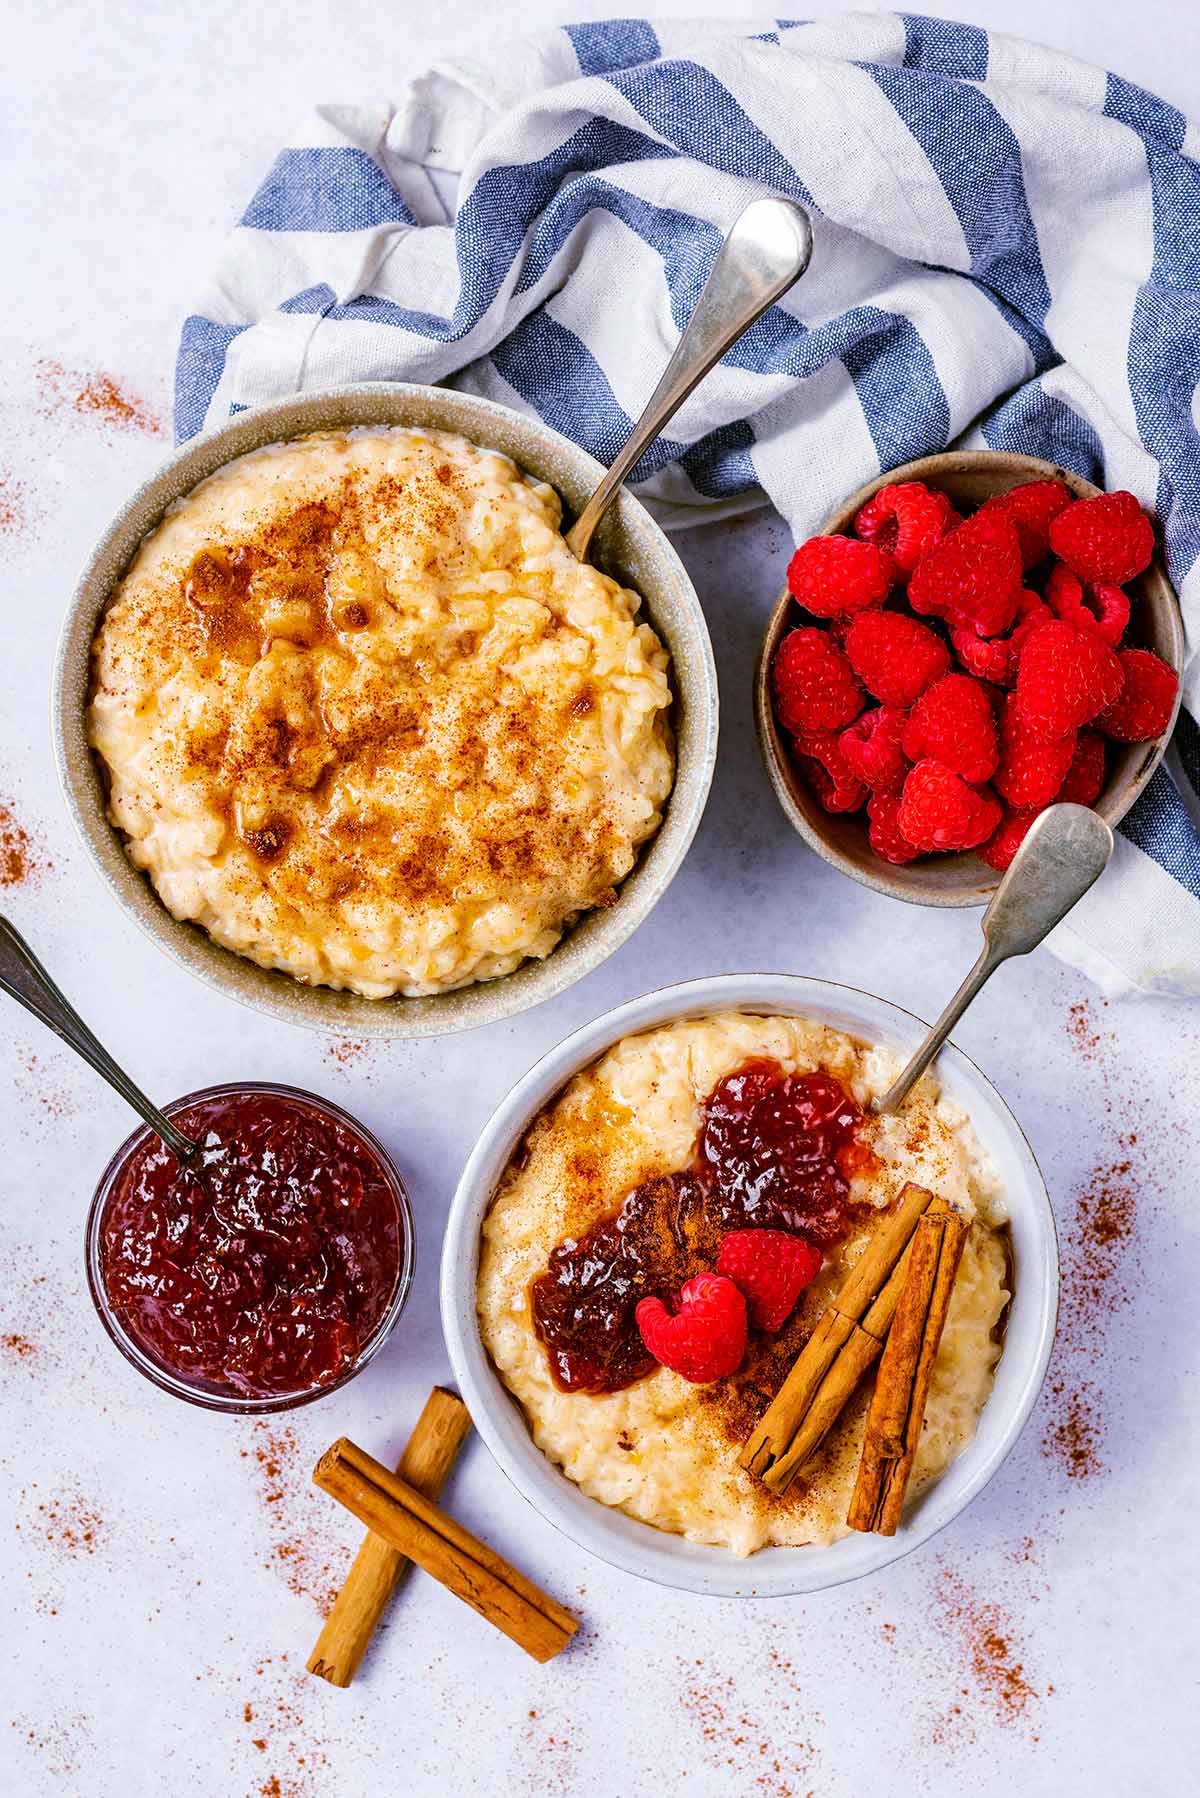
262 1272
775 1151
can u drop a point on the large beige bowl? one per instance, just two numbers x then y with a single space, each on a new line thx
969 477
629 545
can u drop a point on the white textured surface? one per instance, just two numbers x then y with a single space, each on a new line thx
151 1650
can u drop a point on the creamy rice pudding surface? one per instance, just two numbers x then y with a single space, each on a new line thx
662 1449
366 719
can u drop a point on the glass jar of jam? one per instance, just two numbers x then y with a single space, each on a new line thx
267 1272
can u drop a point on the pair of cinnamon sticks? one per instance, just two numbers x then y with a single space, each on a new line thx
407 1527
891 1309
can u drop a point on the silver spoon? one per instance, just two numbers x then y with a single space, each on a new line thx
766 250
1065 850
24 979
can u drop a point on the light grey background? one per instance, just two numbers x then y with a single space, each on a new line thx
159 1613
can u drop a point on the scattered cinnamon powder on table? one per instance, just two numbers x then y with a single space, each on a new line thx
304 1543
99 396
14 512
17 857
281 1732
776 1761
15 1348
66 1522
991 1657
345 1050
1098 1253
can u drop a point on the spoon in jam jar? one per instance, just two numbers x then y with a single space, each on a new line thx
24 979
1065 851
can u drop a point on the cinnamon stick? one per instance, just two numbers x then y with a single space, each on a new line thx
415 1526
429 1454
846 1342
897 1409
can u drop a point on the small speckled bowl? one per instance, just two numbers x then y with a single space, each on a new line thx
969 477
655 1554
629 545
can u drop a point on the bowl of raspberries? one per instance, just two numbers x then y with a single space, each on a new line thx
970 639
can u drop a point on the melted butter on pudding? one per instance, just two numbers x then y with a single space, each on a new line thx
365 718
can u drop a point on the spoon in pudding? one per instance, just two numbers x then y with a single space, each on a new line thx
766 251
24 979
1065 850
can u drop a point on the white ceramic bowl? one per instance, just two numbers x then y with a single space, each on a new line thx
774 1572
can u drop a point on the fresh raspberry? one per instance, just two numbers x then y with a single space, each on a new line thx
995 658
1108 538
770 1268
1004 842
1143 708
829 774
973 575
1032 766
939 810
1084 779
1031 507
871 748
705 1338
952 723
1066 675
1103 608
895 657
884 833
815 685
830 575
906 519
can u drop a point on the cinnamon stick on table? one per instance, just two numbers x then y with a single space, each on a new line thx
897 1408
416 1527
847 1341
430 1453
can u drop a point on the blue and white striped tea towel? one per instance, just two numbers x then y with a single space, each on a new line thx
1007 252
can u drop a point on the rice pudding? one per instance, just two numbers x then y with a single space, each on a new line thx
364 718
617 1186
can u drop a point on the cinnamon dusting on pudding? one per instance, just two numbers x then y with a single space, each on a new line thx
557 1217
334 724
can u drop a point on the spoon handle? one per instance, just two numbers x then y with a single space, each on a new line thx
765 252
1063 853
24 979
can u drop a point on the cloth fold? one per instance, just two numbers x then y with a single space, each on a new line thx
1007 254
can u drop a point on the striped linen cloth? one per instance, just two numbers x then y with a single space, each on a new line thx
1007 253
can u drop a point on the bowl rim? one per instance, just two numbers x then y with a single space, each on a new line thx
770 740
271 991
639 1548
229 1403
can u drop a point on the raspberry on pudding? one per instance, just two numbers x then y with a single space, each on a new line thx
662 1244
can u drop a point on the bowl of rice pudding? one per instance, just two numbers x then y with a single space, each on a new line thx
612 1171
354 736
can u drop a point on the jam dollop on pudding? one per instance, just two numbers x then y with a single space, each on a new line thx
262 1269
667 1236
775 1152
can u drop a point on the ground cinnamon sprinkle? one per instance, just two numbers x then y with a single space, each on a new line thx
345 1050
1098 1259
777 1763
17 859
66 1521
97 396
14 513
16 1348
991 1654
313 1559
282 1732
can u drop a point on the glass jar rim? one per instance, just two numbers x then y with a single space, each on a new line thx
233 1403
